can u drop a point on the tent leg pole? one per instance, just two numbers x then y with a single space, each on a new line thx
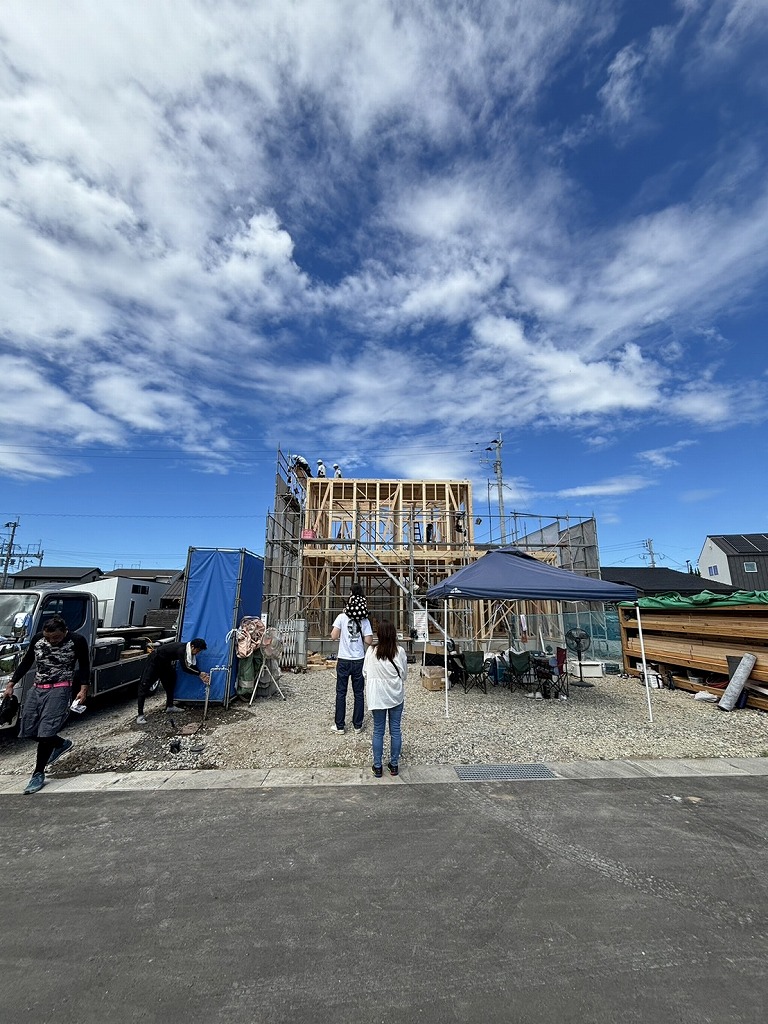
645 666
445 656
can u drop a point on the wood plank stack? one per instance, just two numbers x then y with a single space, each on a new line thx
700 640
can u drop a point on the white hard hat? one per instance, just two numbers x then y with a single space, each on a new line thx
319 460
335 465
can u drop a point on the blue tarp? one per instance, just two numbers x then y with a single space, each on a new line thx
508 574
222 586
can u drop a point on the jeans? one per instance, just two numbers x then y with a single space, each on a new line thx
344 670
395 735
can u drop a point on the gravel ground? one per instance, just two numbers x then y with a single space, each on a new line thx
607 721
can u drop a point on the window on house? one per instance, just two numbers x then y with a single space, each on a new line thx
750 567
713 570
139 588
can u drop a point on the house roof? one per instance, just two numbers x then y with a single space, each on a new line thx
661 580
175 589
742 543
58 572
159 575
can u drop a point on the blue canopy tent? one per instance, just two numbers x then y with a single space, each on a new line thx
508 574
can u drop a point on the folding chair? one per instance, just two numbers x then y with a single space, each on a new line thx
560 675
474 663
519 669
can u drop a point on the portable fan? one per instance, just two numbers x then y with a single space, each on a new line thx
578 641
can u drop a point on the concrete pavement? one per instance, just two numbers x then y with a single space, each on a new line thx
635 897
268 778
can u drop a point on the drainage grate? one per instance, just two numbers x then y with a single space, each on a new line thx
503 771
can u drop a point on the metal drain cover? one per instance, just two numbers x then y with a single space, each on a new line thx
503 771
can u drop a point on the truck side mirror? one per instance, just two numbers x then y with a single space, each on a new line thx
20 625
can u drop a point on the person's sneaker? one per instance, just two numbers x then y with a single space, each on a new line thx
562 697
174 709
538 695
58 752
335 728
393 768
141 720
36 783
378 772
358 731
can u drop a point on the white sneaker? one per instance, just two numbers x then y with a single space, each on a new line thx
174 709
335 729
359 731
141 720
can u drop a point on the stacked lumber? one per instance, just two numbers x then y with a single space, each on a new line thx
700 640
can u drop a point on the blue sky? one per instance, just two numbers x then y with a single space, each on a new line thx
381 233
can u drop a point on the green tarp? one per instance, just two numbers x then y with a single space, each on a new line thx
706 599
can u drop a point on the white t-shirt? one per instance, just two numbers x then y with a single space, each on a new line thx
384 680
351 644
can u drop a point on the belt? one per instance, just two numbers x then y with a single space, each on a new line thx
51 686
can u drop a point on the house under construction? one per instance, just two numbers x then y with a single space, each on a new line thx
397 538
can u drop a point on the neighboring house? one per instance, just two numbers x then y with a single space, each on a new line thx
651 581
152 575
167 614
43 575
125 600
738 559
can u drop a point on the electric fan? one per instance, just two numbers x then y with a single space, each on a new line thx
578 641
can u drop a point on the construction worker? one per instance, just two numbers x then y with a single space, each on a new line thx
301 465
336 471
320 468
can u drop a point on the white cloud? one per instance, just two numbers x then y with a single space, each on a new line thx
615 487
661 458
346 215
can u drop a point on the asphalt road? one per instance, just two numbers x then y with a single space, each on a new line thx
570 901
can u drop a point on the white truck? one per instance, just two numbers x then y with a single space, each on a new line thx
114 665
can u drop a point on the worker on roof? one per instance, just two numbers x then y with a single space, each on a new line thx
301 464
320 468
336 471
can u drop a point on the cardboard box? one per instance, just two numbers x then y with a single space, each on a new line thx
433 677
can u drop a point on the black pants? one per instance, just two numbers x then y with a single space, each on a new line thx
164 671
45 747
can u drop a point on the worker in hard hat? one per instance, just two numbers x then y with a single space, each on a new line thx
336 471
301 465
320 468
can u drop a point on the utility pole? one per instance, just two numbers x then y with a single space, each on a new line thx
495 447
9 550
648 545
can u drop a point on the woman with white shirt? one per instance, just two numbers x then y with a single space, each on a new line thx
385 670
